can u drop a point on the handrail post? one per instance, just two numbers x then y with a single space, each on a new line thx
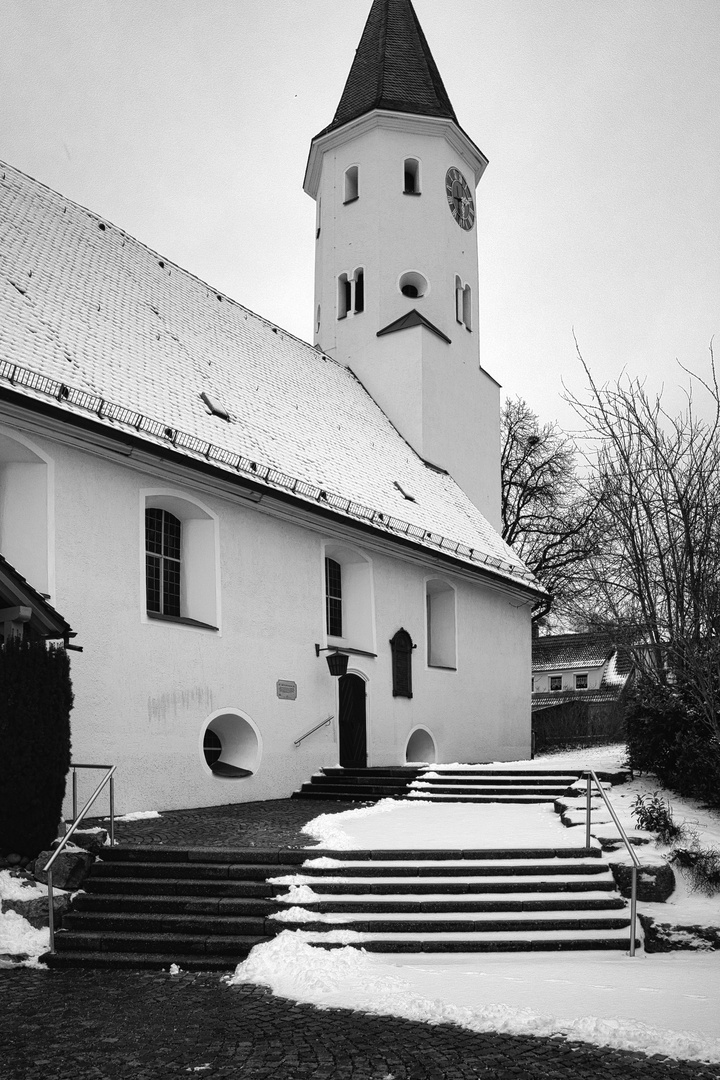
51 912
633 909
74 789
588 808
112 811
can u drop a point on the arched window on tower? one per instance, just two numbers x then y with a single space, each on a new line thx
359 283
463 303
467 307
352 190
411 172
351 293
344 300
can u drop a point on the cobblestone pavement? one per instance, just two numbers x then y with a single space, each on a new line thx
273 823
91 1025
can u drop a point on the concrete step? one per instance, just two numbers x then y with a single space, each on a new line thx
426 922
176 905
472 887
136 961
509 941
439 903
164 923
234 947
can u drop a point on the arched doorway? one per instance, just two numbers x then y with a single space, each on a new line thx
352 726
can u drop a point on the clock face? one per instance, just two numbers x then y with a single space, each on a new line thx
460 199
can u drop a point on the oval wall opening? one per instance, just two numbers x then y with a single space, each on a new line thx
231 746
420 747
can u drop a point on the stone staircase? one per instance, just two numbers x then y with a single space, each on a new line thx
205 908
457 901
505 785
149 907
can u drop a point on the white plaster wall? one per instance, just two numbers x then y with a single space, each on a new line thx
145 689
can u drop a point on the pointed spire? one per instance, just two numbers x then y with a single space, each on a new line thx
393 69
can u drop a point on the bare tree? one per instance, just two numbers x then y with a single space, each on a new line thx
657 573
548 517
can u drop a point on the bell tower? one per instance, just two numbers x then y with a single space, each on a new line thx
396 266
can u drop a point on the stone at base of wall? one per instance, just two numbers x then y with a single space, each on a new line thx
69 869
664 937
655 883
36 911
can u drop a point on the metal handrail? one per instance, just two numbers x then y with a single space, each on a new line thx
77 818
631 851
316 728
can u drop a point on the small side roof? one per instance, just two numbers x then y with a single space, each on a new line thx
16 591
556 651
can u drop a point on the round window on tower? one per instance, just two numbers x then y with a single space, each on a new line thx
413 285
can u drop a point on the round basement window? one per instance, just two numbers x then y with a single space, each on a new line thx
231 745
420 746
413 285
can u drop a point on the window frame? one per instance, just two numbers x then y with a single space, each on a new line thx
551 680
200 595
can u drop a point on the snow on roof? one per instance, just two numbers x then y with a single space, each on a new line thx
97 322
556 651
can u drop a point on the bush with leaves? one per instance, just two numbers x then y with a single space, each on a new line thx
655 814
36 696
701 865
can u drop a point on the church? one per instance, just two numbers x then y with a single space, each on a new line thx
270 556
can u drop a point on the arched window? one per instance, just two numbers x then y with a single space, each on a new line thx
333 598
351 293
463 303
352 189
440 607
359 298
181 561
163 532
411 174
349 605
402 649
344 296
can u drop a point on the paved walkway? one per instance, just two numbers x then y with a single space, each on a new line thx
275 823
99 1025
90 1025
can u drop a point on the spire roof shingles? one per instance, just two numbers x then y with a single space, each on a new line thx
393 69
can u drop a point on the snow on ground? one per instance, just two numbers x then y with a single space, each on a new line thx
136 815
418 823
18 937
662 1003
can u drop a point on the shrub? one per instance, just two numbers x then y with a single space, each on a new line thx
666 736
655 814
36 693
701 865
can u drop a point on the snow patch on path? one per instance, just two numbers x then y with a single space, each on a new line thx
350 978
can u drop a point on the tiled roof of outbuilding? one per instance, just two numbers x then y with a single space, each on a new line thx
556 651
393 69
15 590
95 322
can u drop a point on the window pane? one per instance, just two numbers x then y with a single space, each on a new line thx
171 536
152 579
333 597
171 587
153 531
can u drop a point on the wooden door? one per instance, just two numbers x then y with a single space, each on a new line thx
352 723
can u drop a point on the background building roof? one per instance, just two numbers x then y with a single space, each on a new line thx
556 651
95 322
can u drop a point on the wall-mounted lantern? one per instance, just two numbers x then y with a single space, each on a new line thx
337 661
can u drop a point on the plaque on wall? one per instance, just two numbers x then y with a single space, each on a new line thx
286 689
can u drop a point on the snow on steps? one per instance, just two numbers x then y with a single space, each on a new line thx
515 900
479 784
204 909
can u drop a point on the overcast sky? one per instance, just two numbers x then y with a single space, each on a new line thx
188 122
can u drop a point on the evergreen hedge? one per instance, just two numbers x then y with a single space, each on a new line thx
35 702
667 736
